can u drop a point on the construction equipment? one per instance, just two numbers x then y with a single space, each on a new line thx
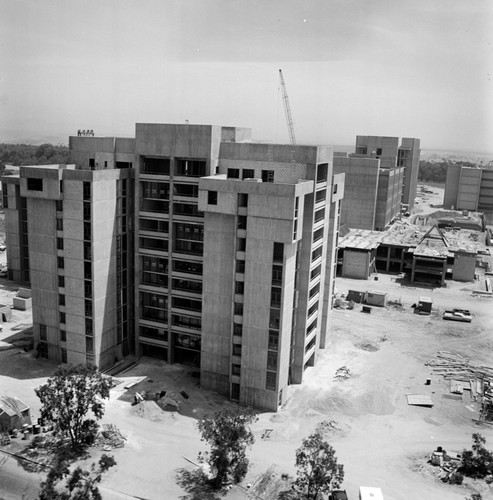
287 109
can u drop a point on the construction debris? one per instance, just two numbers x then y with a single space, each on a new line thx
464 376
342 373
111 437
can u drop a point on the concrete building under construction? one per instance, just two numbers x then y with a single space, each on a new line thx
188 243
381 178
469 188
427 254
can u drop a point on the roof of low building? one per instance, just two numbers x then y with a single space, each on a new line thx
12 406
422 240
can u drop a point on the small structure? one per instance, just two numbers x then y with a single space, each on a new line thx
376 299
23 301
419 400
424 305
13 413
367 297
6 313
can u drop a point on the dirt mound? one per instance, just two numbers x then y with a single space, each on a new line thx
150 411
367 345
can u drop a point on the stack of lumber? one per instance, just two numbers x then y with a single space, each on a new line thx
457 367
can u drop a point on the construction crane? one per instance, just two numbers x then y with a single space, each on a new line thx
287 109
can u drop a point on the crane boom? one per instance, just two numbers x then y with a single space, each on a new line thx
287 109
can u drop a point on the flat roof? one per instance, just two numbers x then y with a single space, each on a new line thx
410 236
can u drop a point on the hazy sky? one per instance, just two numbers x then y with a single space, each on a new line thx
417 68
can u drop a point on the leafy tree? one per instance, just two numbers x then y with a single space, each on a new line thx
80 485
26 154
477 462
228 435
67 397
318 471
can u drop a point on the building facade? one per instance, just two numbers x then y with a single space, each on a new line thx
188 243
68 235
381 178
469 188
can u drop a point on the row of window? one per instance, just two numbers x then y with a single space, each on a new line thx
182 167
275 316
249 173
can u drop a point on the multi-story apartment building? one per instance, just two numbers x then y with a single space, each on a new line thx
266 280
188 243
469 188
68 235
381 177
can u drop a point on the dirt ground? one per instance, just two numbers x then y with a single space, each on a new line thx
380 439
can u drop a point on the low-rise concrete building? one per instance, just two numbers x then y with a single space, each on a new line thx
425 253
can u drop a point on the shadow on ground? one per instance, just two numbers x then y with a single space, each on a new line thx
21 365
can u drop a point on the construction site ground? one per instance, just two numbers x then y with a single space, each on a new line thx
381 440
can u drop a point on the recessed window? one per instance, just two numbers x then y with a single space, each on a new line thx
236 350
273 340
272 360
42 332
63 335
271 381
64 355
233 173
34 184
240 266
239 287
61 300
62 317
212 197
241 244
242 222
236 369
248 173
237 329
242 199
60 263
61 281
59 243
267 175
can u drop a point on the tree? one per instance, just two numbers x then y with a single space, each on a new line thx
318 471
81 484
69 395
228 435
477 462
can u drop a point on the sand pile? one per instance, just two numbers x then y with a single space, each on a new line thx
150 411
